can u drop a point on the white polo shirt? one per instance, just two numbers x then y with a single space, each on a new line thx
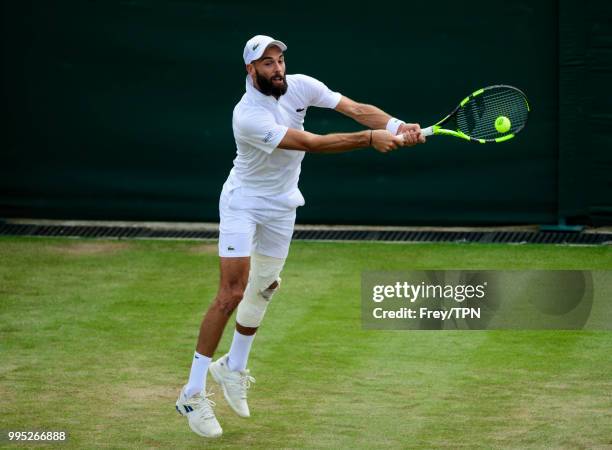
260 123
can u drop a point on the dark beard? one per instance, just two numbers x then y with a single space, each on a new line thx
266 86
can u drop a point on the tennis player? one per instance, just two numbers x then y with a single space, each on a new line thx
257 212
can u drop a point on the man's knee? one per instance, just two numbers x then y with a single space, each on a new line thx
264 280
228 299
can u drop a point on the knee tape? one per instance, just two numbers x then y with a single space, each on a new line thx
265 270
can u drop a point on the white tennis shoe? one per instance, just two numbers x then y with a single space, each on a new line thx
199 412
234 383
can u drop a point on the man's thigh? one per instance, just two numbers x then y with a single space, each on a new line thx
234 274
273 234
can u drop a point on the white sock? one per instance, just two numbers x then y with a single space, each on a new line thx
239 351
197 376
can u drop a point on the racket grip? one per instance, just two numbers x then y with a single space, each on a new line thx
427 131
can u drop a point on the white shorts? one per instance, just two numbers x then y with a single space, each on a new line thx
260 224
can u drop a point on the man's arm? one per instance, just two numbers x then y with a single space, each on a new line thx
367 115
381 140
376 119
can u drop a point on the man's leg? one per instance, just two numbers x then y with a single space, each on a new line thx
236 230
234 277
193 400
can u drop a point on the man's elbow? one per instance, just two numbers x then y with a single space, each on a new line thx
311 143
299 140
316 143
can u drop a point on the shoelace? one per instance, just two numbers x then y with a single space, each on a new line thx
203 404
244 383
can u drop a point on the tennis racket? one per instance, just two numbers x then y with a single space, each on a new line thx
493 114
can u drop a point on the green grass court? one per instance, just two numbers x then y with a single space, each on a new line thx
96 338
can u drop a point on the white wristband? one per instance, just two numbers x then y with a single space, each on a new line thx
393 125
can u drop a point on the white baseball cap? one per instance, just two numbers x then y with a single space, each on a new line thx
257 45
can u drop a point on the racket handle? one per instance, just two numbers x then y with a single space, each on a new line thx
427 131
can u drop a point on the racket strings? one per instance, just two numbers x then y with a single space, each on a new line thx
478 120
477 117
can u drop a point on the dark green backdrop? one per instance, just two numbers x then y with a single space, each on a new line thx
122 109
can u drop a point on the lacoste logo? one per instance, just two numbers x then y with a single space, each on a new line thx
299 110
230 249
267 137
255 47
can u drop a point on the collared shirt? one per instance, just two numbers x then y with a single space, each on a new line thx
259 123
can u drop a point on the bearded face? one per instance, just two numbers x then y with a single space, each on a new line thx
268 72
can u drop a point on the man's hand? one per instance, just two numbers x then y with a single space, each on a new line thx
384 142
412 132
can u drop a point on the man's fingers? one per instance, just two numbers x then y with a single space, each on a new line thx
405 139
414 138
410 138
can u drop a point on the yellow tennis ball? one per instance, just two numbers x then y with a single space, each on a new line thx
502 124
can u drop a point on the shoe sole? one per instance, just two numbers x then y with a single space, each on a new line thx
217 379
208 436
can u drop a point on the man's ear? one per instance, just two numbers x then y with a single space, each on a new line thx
250 68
